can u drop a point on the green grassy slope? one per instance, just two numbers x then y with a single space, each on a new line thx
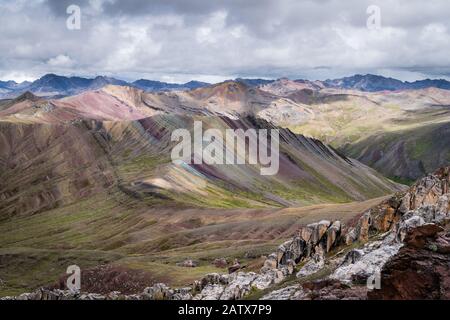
119 231
405 154
93 193
400 134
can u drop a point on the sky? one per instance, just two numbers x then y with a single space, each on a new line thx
214 40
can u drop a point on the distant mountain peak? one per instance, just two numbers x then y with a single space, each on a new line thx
231 85
154 85
52 84
254 82
27 95
367 82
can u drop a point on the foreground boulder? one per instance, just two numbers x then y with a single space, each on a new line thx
421 269
313 240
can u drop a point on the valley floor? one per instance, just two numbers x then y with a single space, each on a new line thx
121 240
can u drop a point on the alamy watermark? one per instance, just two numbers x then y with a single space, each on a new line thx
73 22
374 19
374 281
73 282
255 147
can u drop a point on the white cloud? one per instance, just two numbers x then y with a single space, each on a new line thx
61 60
224 38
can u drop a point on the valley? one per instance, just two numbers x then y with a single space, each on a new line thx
127 235
88 179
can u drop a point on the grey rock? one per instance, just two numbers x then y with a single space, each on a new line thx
316 263
366 265
282 294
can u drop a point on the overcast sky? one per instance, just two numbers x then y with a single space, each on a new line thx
180 40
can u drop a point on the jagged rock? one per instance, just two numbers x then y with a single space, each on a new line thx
350 236
282 250
386 217
239 285
352 257
420 270
291 250
427 199
366 265
321 229
270 263
56 295
220 262
361 231
417 237
211 278
47 294
93 296
25 296
405 205
315 231
441 244
290 267
363 228
305 233
333 234
182 294
265 280
314 238
281 294
329 289
159 291
210 292
316 263
443 207
427 190
407 225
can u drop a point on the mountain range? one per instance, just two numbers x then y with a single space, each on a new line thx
373 83
391 131
401 133
52 85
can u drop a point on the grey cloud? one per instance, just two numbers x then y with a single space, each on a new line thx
179 39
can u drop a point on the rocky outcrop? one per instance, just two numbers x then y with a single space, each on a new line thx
428 199
319 290
312 241
366 264
412 257
310 245
236 285
392 238
361 231
421 269
405 241
157 292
